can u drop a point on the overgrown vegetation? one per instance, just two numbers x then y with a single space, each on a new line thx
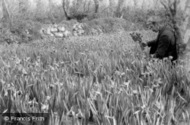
27 24
105 79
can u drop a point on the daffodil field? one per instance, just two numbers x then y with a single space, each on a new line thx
93 80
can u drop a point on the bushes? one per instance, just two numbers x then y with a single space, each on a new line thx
7 37
21 31
136 16
108 25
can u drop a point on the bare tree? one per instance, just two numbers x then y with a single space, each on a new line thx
111 8
172 8
119 10
86 5
75 14
64 5
185 29
96 2
6 20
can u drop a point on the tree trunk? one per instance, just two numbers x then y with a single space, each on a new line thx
64 4
118 12
96 2
186 24
6 20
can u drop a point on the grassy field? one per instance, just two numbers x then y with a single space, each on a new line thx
100 80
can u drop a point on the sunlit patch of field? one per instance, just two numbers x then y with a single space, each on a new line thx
103 79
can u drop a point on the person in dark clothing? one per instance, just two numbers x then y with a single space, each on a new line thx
165 43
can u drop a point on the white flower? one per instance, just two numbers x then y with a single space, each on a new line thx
45 107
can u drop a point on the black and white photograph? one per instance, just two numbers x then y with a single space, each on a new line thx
94 62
